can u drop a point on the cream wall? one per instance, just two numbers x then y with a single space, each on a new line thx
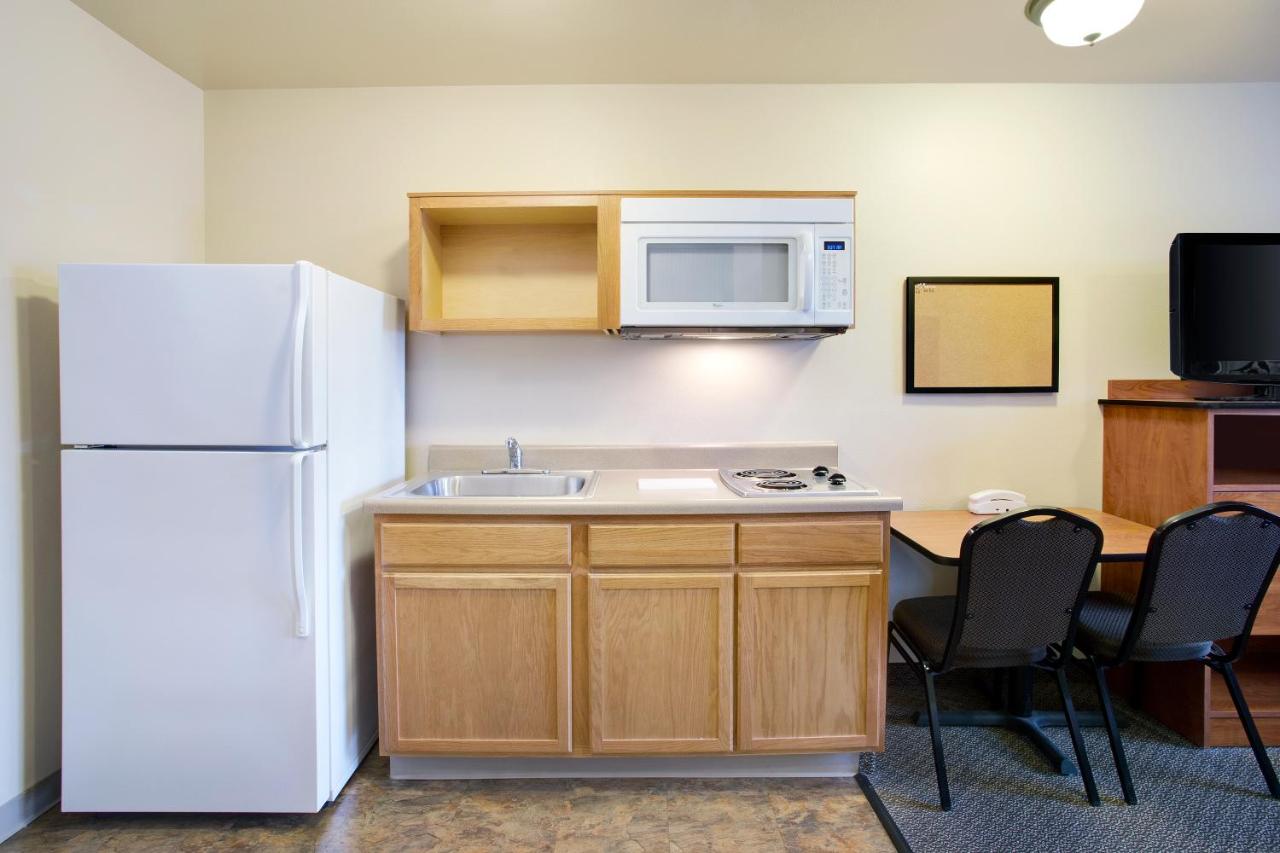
101 159
1084 182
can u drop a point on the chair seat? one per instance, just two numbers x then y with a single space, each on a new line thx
1103 621
926 622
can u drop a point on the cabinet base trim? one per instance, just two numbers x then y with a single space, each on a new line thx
840 764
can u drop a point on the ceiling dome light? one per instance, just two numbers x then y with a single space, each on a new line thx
1074 23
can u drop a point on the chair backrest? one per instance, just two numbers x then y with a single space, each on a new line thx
1204 577
1022 579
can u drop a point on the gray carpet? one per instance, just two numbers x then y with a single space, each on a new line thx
1006 799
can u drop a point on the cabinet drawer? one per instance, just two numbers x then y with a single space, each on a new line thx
810 543
636 545
1270 501
428 544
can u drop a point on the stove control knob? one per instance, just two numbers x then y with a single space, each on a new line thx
836 479
820 471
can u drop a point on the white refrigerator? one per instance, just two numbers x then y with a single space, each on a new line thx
221 426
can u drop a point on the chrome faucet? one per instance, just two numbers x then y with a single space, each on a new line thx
515 462
515 456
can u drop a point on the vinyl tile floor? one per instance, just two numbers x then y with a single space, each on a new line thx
375 813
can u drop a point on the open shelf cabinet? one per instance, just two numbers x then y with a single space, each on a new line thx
512 263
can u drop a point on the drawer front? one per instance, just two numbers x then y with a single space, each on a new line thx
1270 501
810 543
639 545
432 545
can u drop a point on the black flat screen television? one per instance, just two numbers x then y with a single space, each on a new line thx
1224 309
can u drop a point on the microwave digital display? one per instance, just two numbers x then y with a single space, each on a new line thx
833 246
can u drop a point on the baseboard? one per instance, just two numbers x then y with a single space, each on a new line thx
844 764
30 804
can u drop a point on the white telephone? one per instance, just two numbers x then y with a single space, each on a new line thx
996 501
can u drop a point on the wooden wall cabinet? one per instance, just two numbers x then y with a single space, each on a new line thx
533 262
524 262
624 635
1165 452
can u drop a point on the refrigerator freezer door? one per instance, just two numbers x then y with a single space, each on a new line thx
194 355
195 669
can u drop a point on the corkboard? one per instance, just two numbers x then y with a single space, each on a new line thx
982 335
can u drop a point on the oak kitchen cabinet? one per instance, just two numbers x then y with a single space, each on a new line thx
808 648
519 635
476 663
661 662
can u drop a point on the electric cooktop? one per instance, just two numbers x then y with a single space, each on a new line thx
798 482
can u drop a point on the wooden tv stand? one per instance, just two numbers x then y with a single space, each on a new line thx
1166 450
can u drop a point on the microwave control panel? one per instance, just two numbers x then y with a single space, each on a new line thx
834 251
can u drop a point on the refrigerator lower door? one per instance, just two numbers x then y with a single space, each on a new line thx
193 355
194 668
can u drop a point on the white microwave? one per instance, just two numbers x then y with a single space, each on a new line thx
736 267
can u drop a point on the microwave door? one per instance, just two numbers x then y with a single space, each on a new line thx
717 274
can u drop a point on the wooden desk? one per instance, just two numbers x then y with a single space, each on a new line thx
937 535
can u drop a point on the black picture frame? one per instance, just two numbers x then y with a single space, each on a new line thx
910 288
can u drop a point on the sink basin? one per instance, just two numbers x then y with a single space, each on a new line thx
555 484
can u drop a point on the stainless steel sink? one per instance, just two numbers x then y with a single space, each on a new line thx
543 484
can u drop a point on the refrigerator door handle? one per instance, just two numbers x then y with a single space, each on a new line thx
297 547
297 433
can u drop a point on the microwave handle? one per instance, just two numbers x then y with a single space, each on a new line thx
806 273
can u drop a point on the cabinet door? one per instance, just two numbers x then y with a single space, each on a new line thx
475 663
661 662
810 661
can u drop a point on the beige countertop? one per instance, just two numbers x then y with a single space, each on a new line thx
618 492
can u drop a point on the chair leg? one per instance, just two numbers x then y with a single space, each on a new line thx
1082 756
1113 734
1246 719
935 732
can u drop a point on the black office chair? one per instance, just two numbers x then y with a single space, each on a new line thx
1018 594
1203 580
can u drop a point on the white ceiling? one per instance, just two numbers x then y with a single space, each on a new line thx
233 44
